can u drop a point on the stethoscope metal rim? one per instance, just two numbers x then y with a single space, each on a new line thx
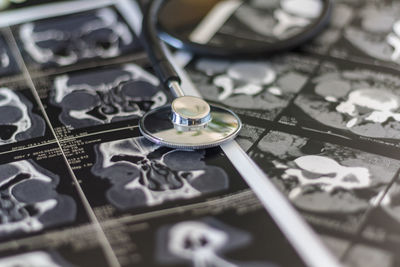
166 111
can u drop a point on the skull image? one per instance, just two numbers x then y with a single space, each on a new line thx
67 40
288 18
378 34
29 201
198 242
143 174
381 103
105 96
17 122
322 177
202 243
326 174
355 101
34 259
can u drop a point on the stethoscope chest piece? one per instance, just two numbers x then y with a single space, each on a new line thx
190 123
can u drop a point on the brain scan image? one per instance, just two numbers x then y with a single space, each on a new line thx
67 40
360 102
322 177
256 88
375 32
143 174
201 243
34 259
8 65
342 14
29 201
17 121
103 96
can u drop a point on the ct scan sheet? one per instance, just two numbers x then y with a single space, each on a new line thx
79 185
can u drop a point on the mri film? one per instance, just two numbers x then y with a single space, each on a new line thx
17 121
360 102
322 177
102 96
63 41
144 174
29 200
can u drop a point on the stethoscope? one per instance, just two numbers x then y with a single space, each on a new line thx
190 122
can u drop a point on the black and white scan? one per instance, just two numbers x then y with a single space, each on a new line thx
260 89
373 35
102 96
18 122
29 199
360 101
143 174
81 186
324 178
63 41
202 242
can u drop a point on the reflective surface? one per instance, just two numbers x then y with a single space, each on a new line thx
157 126
242 27
190 111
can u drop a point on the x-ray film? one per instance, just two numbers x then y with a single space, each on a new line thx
79 185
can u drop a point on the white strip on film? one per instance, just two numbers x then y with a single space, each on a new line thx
214 20
298 232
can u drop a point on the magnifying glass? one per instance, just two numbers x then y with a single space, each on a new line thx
219 28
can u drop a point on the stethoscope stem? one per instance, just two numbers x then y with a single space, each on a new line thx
175 88
188 113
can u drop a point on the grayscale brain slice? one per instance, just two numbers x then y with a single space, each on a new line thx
202 242
325 178
104 96
279 20
378 34
143 174
68 40
29 201
360 107
17 121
